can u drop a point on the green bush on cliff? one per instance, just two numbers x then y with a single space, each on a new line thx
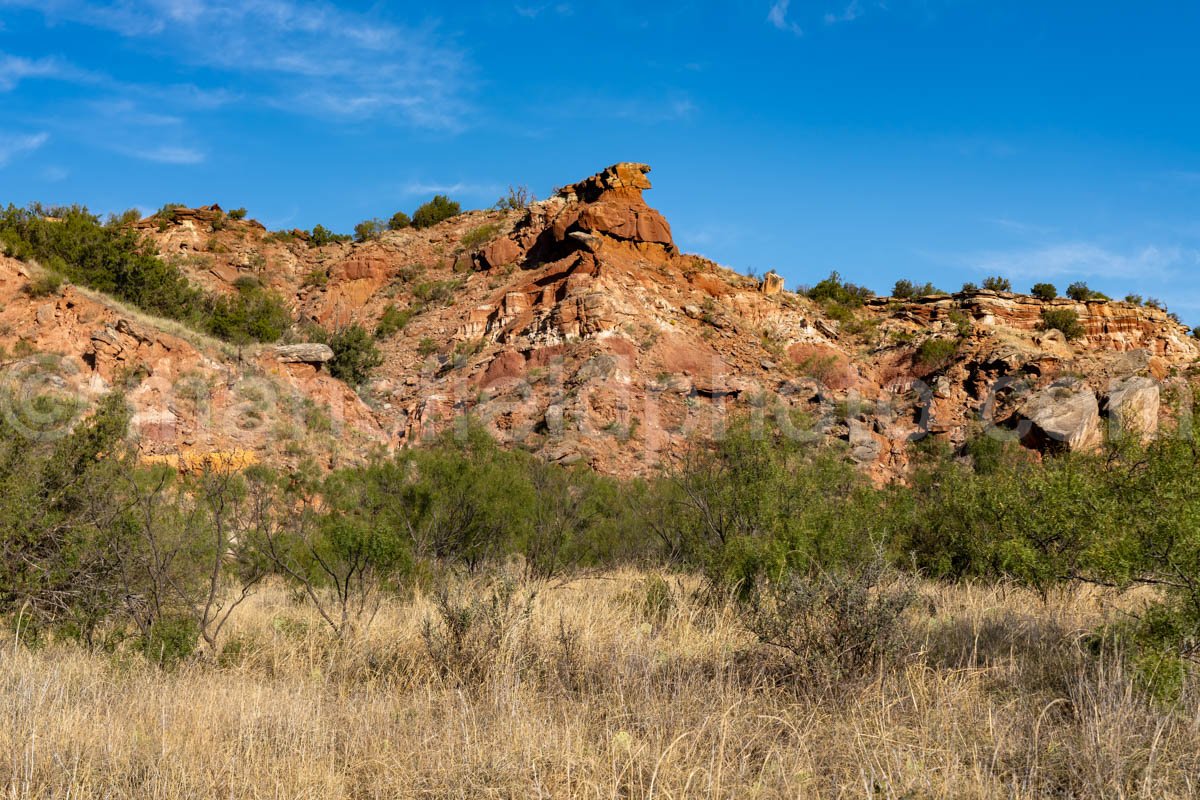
1044 291
355 356
113 259
321 236
1062 319
936 353
369 230
905 289
835 290
436 210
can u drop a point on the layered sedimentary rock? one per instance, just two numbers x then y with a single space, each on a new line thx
574 329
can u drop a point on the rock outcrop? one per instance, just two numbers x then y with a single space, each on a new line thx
1133 406
310 353
1065 416
574 329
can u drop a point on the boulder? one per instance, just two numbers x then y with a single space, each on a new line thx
499 253
309 353
1064 416
1132 406
772 283
864 443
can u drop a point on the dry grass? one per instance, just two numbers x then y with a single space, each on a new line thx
594 695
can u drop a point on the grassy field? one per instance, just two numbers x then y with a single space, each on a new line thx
615 686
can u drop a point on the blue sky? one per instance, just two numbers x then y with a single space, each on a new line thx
937 140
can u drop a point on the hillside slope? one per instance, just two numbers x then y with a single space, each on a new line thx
575 329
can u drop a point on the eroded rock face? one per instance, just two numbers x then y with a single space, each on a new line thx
578 332
311 353
1109 325
1133 406
1064 416
772 283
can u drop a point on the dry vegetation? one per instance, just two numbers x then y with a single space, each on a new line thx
619 686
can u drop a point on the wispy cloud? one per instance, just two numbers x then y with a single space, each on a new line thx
533 11
460 188
850 13
1017 226
669 109
12 146
778 16
305 56
166 154
1085 259
15 69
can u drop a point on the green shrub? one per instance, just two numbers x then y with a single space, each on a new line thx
936 353
321 236
46 284
1080 293
170 640
127 217
393 320
355 356
399 221
477 237
426 347
1044 291
251 314
247 283
165 215
317 278
369 230
995 283
113 259
906 289
437 292
436 210
237 213
969 288
1062 319
834 290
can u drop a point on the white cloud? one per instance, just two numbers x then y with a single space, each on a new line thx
1017 226
307 56
534 11
1085 259
13 146
778 16
14 69
851 12
462 188
167 154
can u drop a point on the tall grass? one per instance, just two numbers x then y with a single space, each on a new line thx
626 685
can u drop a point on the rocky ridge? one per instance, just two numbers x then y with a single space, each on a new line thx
575 329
